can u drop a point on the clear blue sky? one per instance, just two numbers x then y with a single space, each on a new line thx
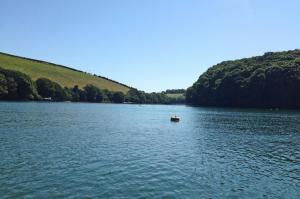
148 44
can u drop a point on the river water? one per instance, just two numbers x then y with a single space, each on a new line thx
81 150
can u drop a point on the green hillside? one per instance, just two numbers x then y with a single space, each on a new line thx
270 80
64 76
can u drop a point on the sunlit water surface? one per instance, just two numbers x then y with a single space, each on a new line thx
78 150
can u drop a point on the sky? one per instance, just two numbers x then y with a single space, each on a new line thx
152 45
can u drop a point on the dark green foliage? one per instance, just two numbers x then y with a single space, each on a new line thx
175 91
108 95
49 89
271 80
45 87
67 94
118 97
176 96
134 96
59 93
77 94
140 97
93 94
177 100
12 88
82 96
26 87
16 86
3 86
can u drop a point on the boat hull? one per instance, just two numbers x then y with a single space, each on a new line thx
173 119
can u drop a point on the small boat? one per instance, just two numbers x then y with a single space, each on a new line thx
175 119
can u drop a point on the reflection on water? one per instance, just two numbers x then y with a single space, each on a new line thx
128 151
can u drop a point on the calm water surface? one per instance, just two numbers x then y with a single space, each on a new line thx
70 150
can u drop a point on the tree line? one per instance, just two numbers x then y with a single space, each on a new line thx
175 91
15 85
271 80
141 97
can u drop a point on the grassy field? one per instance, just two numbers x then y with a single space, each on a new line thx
65 76
175 95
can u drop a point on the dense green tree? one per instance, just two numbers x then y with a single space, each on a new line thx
12 88
100 96
75 93
67 94
271 80
93 94
48 88
3 86
45 87
82 96
118 97
26 87
16 86
108 95
59 92
136 96
132 96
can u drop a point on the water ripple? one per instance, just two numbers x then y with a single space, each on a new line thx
77 150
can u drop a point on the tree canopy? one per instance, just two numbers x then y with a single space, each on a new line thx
18 86
271 80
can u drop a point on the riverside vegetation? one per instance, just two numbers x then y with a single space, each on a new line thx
15 85
268 81
29 79
271 80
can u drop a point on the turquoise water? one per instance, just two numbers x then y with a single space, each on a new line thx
77 150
